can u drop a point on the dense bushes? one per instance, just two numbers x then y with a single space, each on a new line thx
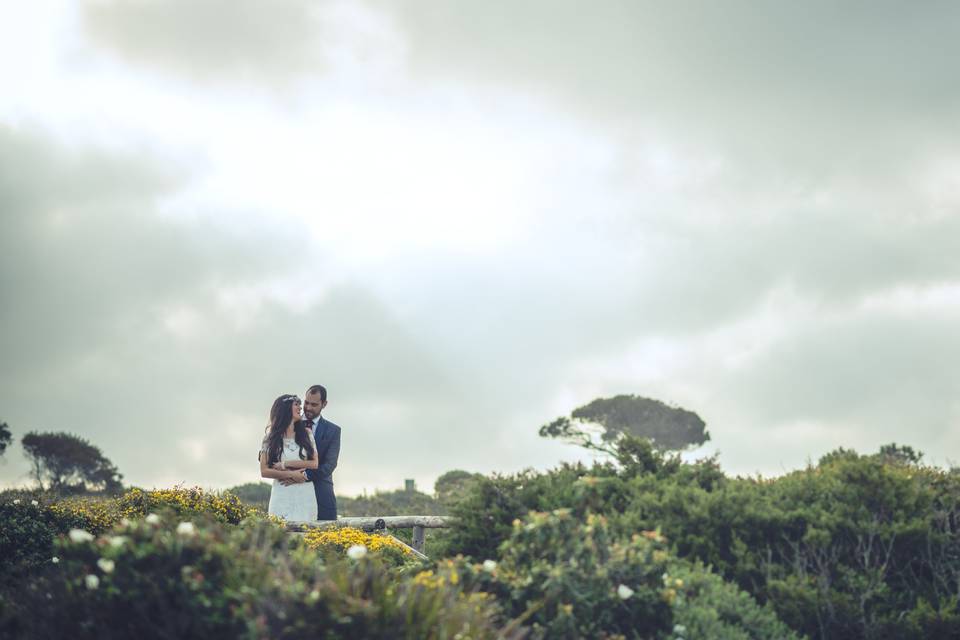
855 547
649 547
574 580
224 507
709 607
558 575
30 521
160 578
567 577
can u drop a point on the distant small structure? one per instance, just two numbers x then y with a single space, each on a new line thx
409 485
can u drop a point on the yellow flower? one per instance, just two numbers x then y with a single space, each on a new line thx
345 537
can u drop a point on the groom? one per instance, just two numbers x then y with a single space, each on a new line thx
327 436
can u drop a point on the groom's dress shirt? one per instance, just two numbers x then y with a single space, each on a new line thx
313 430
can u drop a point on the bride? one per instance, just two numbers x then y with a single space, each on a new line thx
287 449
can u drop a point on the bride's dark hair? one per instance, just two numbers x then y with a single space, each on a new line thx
280 415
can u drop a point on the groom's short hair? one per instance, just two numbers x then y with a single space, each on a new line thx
319 388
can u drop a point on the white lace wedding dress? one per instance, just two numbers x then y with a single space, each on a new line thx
295 501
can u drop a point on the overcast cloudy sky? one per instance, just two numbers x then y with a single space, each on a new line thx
468 218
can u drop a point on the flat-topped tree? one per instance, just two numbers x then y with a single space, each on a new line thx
610 419
68 462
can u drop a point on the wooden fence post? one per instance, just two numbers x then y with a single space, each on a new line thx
418 536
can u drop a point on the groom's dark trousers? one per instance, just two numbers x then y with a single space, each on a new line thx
327 437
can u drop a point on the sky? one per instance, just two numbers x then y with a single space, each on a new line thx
466 219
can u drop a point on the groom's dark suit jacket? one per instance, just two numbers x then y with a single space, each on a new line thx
327 437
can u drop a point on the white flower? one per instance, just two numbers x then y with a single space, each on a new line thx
624 592
314 595
679 629
489 566
17 501
105 565
79 535
117 541
92 581
186 529
152 519
356 552
35 503
54 559
125 523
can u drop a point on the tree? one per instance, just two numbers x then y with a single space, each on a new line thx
5 437
68 462
610 419
453 484
254 494
894 453
388 503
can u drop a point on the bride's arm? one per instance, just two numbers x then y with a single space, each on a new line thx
312 463
267 472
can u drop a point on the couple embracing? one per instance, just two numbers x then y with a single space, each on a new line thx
300 451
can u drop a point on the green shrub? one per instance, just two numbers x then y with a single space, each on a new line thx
29 525
161 578
856 547
708 607
253 494
569 578
185 502
489 506
30 521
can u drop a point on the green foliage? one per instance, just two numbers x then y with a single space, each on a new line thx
69 463
451 485
183 501
706 606
570 577
388 503
670 428
27 531
866 547
486 513
253 494
856 547
573 579
172 579
31 521
894 453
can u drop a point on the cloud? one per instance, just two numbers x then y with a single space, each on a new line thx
799 92
468 221
245 41
89 268
207 38
164 340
